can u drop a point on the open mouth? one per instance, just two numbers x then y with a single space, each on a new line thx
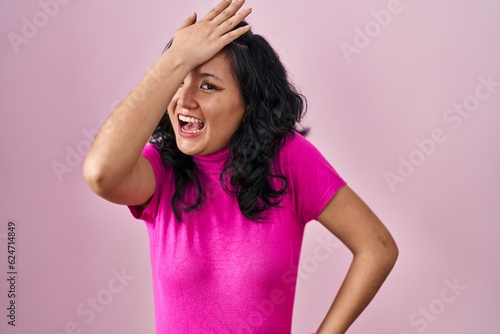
190 124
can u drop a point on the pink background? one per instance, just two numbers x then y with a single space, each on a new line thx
366 110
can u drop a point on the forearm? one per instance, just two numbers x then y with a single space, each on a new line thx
364 278
121 138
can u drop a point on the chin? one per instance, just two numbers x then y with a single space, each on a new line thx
192 146
187 148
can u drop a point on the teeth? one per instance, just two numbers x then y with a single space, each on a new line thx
189 119
186 131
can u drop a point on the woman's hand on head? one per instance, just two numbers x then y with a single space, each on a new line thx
196 42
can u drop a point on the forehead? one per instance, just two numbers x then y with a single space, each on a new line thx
220 66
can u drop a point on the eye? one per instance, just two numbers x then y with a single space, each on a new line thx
208 86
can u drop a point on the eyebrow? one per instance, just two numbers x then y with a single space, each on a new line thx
210 75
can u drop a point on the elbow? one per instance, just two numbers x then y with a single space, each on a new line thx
95 176
390 252
384 252
393 256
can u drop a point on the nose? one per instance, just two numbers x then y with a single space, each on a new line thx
186 96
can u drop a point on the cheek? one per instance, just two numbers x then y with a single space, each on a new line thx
171 110
236 115
231 122
172 104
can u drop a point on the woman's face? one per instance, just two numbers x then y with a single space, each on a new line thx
207 109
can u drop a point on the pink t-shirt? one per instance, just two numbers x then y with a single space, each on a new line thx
218 272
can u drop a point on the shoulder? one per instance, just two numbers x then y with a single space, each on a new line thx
298 155
301 158
313 179
298 147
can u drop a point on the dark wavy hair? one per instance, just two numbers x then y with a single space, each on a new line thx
275 110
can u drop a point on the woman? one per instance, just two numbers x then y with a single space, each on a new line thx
228 184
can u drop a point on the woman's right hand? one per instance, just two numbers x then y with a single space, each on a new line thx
196 42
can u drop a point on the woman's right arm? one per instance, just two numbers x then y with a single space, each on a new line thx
114 168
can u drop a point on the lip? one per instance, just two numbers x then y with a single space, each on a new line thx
188 134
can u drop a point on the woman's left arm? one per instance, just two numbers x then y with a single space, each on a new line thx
374 250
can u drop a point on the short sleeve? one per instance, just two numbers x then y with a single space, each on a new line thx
315 181
149 213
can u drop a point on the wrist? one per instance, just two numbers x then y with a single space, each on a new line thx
170 61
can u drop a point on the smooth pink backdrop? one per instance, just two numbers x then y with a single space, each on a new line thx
368 108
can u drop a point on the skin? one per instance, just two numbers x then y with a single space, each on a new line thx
374 251
209 93
115 170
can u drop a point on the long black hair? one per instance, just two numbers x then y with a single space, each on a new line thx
275 108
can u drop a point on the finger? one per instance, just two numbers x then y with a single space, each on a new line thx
232 22
234 34
217 10
228 13
189 21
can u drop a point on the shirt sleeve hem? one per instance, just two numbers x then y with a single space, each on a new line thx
332 190
149 212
